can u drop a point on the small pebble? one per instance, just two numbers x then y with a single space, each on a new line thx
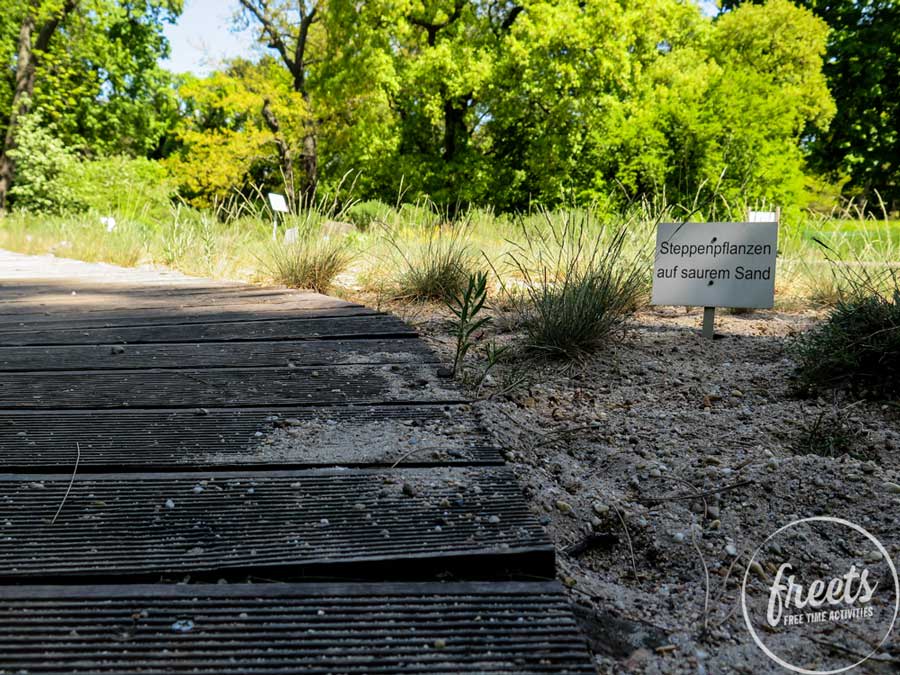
563 506
874 556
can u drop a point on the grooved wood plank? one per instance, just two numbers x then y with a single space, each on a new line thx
99 303
230 433
224 387
21 324
382 326
216 355
45 289
402 521
119 440
279 628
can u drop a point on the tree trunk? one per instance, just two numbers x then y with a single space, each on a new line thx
23 90
456 134
296 61
284 150
310 165
310 137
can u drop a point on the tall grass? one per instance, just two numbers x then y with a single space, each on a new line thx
578 282
419 252
429 257
312 261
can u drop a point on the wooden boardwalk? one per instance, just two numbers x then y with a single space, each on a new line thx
218 478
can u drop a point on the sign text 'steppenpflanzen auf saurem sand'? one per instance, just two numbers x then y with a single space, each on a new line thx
715 264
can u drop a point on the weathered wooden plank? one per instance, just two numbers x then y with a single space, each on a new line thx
138 440
216 355
503 627
170 318
155 307
224 387
380 326
375 523
13 290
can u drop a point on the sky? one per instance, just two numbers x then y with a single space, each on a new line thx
204 36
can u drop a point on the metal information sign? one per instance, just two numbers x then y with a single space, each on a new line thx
715 265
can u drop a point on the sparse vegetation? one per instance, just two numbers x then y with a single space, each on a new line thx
579 283
831 434
419 253
312 261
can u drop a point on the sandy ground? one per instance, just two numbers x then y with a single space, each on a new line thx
613 451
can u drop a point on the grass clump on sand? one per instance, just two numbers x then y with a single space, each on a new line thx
577 283
312 260
857 348
431 262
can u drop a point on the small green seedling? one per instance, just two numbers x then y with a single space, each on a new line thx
466 308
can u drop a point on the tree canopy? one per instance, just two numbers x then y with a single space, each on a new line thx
862 68
490 102
90 69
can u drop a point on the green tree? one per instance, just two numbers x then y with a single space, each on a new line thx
771 96
226 139
89 68
292 28
38 22
862 67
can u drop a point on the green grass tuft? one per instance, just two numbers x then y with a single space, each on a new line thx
314 261
578 285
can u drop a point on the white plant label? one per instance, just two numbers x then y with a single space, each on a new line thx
278 203
715 264
292 236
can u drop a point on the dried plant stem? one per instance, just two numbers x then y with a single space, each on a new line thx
71 482
628 540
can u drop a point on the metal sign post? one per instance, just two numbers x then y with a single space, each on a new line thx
709 322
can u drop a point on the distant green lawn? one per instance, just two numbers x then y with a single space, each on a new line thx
859 237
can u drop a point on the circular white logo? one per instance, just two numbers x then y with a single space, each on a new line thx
820 596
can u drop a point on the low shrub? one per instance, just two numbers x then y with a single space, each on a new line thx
137 189
365 214
41 160
579 284
856 349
